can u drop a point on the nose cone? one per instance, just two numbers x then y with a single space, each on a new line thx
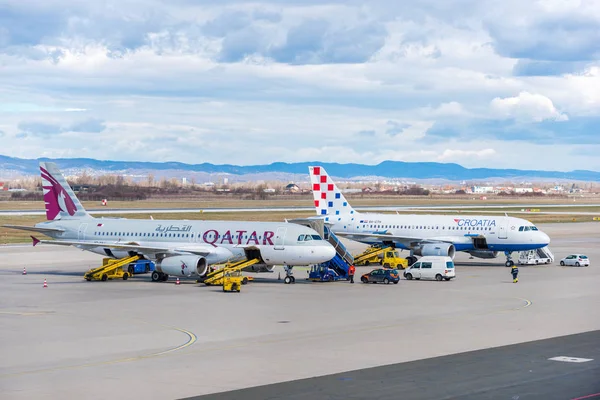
545 239
326 252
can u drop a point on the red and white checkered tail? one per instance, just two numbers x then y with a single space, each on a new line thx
328 198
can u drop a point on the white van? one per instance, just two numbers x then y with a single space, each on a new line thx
431 267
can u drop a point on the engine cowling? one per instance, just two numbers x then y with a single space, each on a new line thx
183 266
484 253
436 249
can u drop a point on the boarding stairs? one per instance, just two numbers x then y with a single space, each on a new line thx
216 277
110 269
538 256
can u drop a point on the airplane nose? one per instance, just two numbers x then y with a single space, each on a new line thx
327 252
544 238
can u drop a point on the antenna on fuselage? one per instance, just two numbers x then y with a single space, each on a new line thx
151 218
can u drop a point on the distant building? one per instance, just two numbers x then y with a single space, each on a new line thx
523 190
292 188
482 189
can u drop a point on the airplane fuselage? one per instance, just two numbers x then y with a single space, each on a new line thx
505 234
278 243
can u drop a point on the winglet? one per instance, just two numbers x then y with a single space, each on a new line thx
35 240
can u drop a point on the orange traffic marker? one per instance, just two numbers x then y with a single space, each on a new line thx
45 284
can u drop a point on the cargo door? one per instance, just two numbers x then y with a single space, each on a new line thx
503 229
81 232
280 238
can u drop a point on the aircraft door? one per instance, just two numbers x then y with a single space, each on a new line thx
503 229
280 238
81 232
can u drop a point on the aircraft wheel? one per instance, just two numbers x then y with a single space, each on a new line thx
509 263
165 277
287 280
293 278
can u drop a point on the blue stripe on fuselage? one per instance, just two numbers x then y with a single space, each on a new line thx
491 246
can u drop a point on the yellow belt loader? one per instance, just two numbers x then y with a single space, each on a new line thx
216 277
110 269
370 256
386 256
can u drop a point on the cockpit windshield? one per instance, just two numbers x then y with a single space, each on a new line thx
306 238
527 228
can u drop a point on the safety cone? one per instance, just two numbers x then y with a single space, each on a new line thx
24 271
45 284
177 283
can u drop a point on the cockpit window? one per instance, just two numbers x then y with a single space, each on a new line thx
316 237
533 228
300 238
307 238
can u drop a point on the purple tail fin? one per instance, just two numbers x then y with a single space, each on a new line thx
60 201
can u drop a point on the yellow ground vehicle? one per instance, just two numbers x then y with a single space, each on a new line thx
392 259
232 281
110 269
385 256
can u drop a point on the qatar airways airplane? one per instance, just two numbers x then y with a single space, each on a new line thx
424 235
179 248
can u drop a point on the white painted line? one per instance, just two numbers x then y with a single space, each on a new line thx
571 359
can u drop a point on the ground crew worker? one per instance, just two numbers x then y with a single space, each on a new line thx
515 273
351 272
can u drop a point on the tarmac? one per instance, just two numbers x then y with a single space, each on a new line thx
474 337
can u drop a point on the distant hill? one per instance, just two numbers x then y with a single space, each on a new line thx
10 166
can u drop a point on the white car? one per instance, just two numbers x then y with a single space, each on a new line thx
578 260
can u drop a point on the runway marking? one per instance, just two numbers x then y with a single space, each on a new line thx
571 359
26 314
589 396
192 338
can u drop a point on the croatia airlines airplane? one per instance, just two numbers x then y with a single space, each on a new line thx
179 248
424 235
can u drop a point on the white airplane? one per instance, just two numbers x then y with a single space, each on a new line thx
179 248
424 235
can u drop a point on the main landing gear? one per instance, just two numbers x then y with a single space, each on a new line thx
289 277
159 277
509 262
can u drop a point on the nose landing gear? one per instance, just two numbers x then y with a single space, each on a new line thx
509 262
289 277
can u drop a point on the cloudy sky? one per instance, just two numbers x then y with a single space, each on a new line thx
484 83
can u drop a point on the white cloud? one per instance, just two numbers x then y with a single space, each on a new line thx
527 107
193 81
457 155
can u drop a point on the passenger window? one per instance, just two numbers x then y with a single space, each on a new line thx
521 228
416 266
449 264
426 265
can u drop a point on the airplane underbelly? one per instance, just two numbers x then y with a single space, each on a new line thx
292 255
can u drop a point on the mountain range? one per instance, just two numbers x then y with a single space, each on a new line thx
11 167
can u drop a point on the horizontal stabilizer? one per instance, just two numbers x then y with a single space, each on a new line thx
34 229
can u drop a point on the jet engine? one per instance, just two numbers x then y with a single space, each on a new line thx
436 249
484 253
183 266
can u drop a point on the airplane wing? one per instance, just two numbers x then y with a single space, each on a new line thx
34 229
404 240
196 250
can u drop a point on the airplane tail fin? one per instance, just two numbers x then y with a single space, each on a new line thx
60 201
329 200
